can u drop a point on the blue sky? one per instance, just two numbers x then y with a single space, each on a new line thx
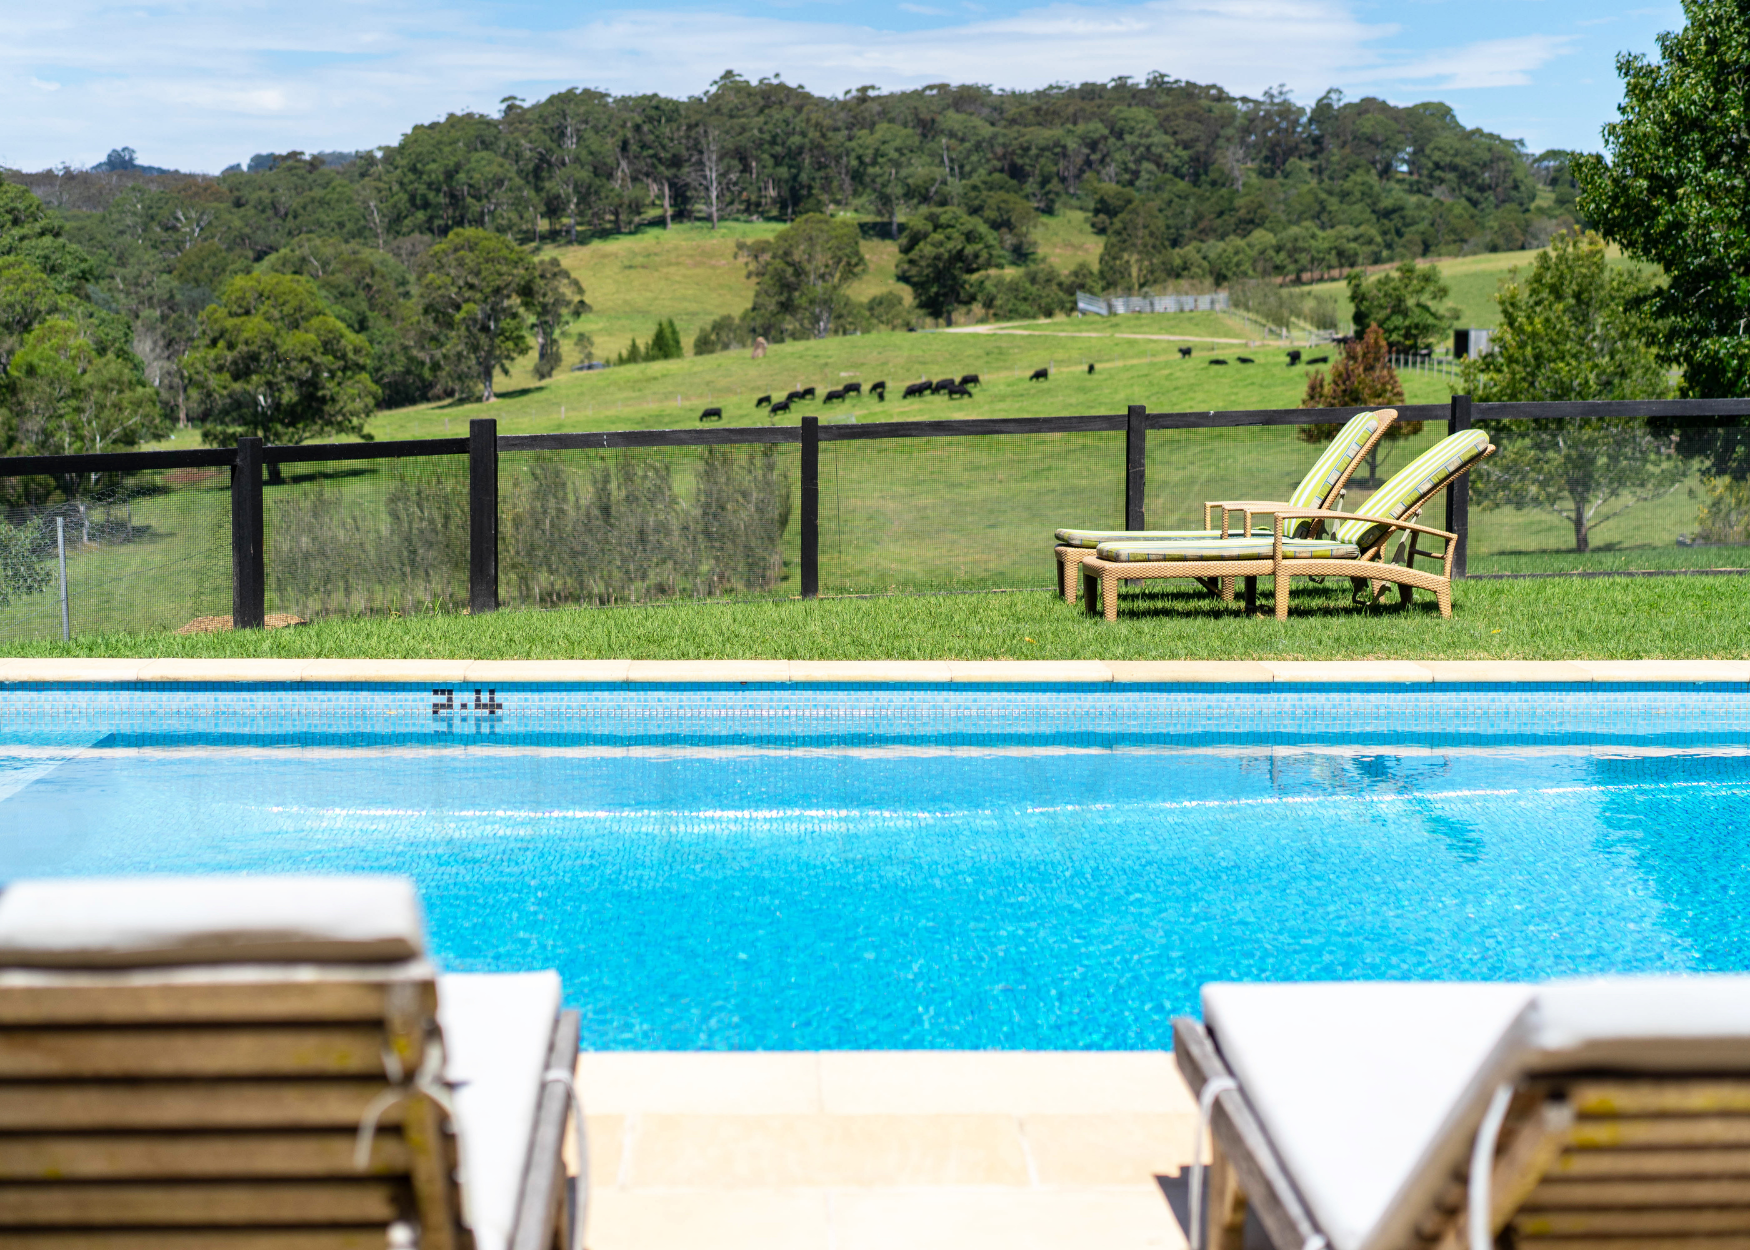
200 84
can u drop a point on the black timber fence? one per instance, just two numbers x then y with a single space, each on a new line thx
630 515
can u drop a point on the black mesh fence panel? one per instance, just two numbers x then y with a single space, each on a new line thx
365 537
635 525
1645 500
960 513
1188 468
144 551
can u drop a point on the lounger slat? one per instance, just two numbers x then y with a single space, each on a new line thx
199 1239
1633 1163
292 1050
1617 1192
202 1203
186 1156
1620 1098
198 1003
183 1105
1674 1222
1603 1134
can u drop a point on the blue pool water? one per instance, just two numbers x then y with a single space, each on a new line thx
773 868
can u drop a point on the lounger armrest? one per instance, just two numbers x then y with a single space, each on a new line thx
1239 1136
545 1206
1325 514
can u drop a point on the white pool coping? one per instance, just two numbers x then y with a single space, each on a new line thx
730 672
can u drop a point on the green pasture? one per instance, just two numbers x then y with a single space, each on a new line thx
1473 281
1630 618
670 394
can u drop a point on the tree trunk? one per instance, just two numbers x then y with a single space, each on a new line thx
486 395
667 208
1582 538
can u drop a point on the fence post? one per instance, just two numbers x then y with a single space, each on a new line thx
1458 491
1135 466
810 507
482 515
248 577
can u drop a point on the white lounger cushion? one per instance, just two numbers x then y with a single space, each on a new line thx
1371 1091
147 921
1681 1024
1359 1086
497 1032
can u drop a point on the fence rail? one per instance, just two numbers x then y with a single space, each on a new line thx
484 446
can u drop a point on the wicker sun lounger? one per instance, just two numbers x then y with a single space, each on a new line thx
270 1063
1354 545
1322 487
1610 1114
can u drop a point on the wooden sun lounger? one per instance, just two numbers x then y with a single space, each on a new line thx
1638 1143
1069 559
210 1104
1368 568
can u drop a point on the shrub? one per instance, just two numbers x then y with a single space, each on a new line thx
1725 512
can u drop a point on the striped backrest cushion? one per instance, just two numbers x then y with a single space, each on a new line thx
1314 490
1410 486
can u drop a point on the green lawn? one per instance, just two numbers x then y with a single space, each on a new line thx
1631 618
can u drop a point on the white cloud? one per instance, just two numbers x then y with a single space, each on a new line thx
40 85
202 83
1491 63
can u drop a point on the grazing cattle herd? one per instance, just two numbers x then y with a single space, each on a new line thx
953 388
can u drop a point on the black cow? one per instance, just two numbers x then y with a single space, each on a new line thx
1217 360
1245 360
944 385
783 405
916 388
793 396
970 379
1184 353
959 392
878 388
1319 360
852 388
808 392
1040 375
832 395
1293 358
1090 367
762 401
711 414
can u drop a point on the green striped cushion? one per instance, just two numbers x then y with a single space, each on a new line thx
1314 490
1411 485
1093 538
1225 549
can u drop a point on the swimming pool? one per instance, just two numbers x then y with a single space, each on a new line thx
840 866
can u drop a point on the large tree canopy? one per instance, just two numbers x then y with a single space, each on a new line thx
1403 303
1572 329
275 362
940 253
802 272
1673 187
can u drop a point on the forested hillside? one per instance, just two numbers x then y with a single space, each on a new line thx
1185 182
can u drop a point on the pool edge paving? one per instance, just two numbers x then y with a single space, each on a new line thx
1026 1150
